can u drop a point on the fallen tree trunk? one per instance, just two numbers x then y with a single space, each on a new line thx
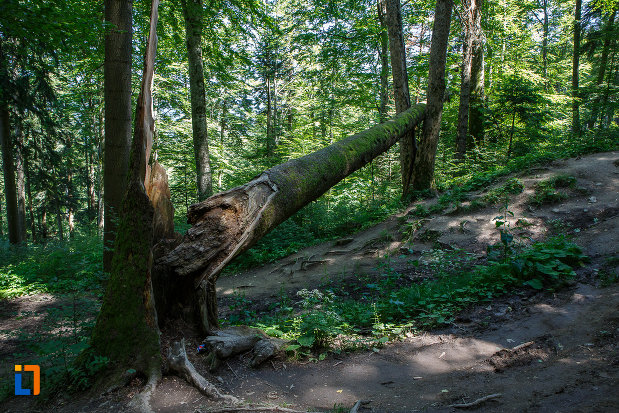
228 223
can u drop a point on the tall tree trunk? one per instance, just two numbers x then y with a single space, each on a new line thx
20 181
69 190
575 71
126 330
30 208
545 28
478 80
99 174
270 141
229 223
408 144
608 37
43 228
384 62
117 92
470 115
8 171
468 21
192 11
1 220
423 173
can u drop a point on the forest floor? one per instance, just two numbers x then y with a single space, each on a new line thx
541 352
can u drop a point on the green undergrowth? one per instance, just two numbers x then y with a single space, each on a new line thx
378 311
552 190
57 267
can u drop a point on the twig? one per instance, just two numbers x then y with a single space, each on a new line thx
476 402
232 370
253 409
355 408
523 345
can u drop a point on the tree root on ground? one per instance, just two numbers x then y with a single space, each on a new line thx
180 364
240 339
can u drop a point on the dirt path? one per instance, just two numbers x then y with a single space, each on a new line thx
569 361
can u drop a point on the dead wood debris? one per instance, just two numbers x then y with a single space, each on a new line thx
477 402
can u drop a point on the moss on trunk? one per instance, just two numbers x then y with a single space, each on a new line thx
126 330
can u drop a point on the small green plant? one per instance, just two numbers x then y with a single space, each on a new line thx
546 191
420 211
319 323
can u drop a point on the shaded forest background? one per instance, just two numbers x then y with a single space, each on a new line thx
283 79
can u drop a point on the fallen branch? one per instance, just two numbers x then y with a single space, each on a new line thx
355 408
180 364
477 402
253 409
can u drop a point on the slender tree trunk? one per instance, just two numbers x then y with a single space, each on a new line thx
423 173
478 80
20 181
605 119
384 62
8 169
575 71
270 142
468 17
511 135
545 29
30 208
1 220
608 37
117 91
99 175
69 190
192 11
43 228
408 144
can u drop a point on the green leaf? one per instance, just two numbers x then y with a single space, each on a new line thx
535 283
307 340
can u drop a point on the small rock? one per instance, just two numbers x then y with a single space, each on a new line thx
593 200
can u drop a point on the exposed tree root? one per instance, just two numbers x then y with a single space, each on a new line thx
253 409
477 402
141 402
180 364
241 339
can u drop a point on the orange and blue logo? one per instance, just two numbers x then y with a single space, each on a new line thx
36 370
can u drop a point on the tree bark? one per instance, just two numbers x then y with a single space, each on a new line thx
575 71
30 208
468 20
192 12
230 222
608 37
117 92
408 144
126 330
478 80
20 182
423 171
8 171
384 62
545 28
